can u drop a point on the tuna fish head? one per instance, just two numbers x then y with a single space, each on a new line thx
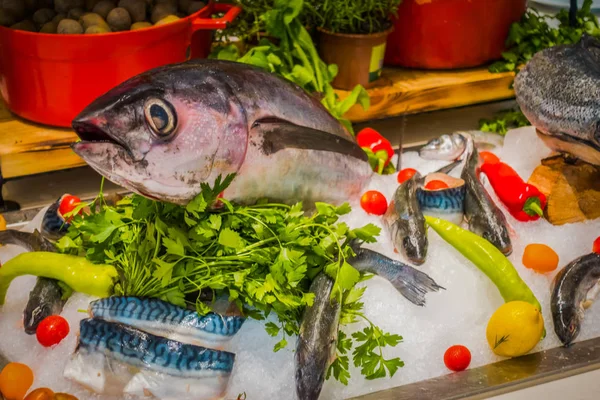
559 93
163 133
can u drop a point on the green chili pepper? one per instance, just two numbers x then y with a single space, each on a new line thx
488 259
76 272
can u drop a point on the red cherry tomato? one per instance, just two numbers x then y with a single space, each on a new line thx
436 185
373 202
52 330
596 245
68 204
406 174
457 358
489 158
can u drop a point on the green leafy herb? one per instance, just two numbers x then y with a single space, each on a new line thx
504 121
261 257
498 342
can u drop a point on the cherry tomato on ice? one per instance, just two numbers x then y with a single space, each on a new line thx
40 394
436 185
52 330
15 381
406 174
373 202
596 245
457 358
489 158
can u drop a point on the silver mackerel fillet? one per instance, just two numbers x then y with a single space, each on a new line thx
166 131
167 320
115 359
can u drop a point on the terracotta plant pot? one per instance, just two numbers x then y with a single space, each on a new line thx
447 34
359 57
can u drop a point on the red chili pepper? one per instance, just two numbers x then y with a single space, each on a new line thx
524 201
370 139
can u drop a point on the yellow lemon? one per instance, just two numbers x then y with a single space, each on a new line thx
2 223
514 329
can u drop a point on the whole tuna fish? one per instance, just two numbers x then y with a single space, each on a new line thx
573 290
164 132
559 93
316 346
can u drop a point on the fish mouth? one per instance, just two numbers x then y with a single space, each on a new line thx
90 133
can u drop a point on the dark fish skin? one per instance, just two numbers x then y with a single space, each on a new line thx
45 299
406 222
53 226
410 282
316 345
569 295
484 217
558 90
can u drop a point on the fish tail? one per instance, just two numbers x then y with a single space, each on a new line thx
414 285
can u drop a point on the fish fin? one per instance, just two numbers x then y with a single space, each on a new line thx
415 285
280 135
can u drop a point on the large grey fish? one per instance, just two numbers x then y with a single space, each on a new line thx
119 360
406 223
167 320
46 297
484 217
164 132
316 346
558 90
574 289
410 282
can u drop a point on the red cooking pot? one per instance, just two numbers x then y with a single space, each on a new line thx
445 34
50 78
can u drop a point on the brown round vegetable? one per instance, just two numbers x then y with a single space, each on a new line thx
76 13
195 6
25 25
91 19
43 15
7 18
63 6
59 17
184 5
90 4
140 25
69 26
103 8
49 27
17 7
96 29
135 8
161 11
119 20
167 20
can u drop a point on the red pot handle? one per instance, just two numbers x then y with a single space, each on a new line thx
231 13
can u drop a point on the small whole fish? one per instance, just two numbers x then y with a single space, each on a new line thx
484 141
164 132
410 282
118 360
405 222
574 289
54 225
484 217
446 147
167 320
316 346
46 298
558 91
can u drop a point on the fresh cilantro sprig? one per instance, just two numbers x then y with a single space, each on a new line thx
261 257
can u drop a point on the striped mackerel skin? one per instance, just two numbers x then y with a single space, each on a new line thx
164 319
144 350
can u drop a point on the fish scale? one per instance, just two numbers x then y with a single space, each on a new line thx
145 350
449 199
164 319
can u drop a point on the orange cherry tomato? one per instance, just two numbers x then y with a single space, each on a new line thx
64 396
373 202
436 185
406 174
15 381
540 258
457 358
40 394
489 158
596 245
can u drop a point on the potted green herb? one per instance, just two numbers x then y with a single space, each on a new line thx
353 35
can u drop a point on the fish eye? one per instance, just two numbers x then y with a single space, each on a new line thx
161 117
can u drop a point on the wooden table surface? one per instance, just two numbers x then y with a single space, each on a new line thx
27 148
